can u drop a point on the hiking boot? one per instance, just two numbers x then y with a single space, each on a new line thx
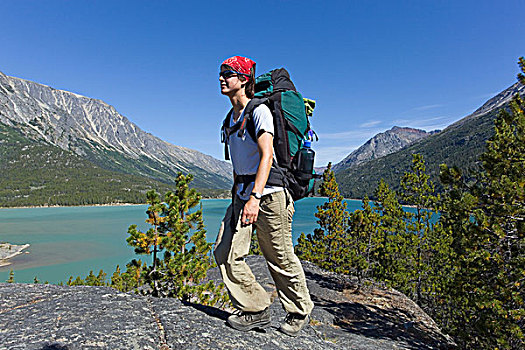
244 321
293 323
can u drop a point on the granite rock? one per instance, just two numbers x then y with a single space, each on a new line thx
36 316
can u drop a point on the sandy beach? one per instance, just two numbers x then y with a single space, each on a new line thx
8 251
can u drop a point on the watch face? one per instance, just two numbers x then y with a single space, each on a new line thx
256 195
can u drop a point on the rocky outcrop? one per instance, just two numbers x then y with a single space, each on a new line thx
381 145
95 130
496 102
54 317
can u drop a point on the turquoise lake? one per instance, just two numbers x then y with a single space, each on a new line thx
71 241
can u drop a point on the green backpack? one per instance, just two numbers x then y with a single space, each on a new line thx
291 127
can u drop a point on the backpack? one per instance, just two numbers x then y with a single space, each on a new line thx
291 127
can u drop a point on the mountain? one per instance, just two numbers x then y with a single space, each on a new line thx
381 145
37 173
459 144
96 132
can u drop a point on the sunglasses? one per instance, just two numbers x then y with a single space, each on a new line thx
230 73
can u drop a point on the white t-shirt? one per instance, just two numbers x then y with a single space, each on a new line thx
244 152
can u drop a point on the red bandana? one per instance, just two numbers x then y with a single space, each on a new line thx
240 64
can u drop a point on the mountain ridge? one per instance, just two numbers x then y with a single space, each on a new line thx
381 145
459 144
95 130
37 173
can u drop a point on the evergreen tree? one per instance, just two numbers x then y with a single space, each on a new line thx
11 277
488 224
76 282
363 234
179 231
425 237
327 247
150 242
132 279
391 243
117 281
92 280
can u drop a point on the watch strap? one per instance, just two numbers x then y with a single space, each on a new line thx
256 195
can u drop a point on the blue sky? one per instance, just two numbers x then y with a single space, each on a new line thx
369 64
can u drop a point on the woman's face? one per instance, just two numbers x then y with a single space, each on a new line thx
229 82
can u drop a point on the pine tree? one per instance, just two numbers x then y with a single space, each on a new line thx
362 233
150 242
488 223
391 243
117 281
11 277
500 226
133 278
418 190
327 246
178 230
76 282
92 280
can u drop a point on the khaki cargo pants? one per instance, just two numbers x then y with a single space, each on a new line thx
274 232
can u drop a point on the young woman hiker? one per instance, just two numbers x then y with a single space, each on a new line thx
256 206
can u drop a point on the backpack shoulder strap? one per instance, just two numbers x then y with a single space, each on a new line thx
247 122
226 131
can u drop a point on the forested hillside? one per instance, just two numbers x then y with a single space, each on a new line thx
34 172
460 144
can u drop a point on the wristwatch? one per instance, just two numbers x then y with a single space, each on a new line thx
256 195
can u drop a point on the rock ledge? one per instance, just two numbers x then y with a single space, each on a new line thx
56 317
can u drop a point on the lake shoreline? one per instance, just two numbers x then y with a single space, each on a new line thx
137 204
74 206
8 251
121 204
